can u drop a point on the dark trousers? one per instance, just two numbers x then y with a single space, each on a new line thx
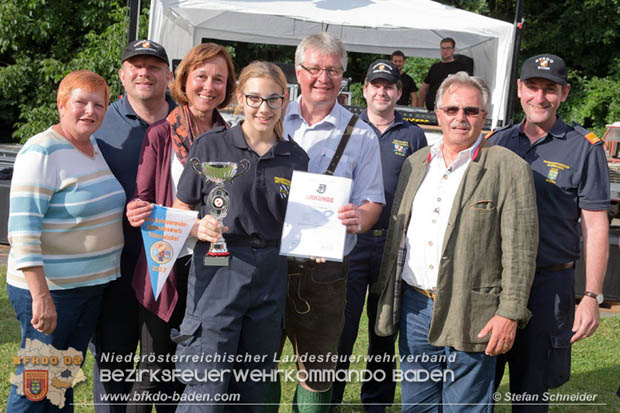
232 324
540 357
315 316
116 334
364 265
155 346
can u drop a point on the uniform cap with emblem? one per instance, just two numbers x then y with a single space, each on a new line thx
144 47
545 66
383 69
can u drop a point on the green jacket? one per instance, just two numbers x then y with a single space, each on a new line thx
489 251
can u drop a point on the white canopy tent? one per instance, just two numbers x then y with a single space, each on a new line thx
369 26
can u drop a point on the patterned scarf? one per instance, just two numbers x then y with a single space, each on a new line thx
182 125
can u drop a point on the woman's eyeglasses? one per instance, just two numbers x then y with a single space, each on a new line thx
274 102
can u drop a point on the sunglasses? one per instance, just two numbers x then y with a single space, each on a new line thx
467 110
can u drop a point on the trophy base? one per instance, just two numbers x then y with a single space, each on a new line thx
216 261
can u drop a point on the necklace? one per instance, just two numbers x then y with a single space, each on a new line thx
84 147
194 124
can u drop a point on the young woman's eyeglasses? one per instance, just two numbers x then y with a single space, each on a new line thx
333 72
274 102
468 110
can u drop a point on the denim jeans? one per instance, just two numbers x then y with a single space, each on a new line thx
77 310
437 378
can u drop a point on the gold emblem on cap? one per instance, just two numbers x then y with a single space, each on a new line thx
543 62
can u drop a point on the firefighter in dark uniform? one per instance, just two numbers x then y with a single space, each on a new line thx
572 194
234 314
397 140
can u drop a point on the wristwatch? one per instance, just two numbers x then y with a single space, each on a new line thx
598 297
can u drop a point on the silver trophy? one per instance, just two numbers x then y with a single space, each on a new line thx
218 201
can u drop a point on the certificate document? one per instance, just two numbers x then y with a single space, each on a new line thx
311 227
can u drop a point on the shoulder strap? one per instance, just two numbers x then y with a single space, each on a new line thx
343 144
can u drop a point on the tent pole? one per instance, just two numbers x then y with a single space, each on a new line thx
134 18
519 25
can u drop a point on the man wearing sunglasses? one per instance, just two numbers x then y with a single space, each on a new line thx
317 289
572 193
459 257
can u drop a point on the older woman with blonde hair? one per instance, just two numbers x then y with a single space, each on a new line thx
204 82
65 229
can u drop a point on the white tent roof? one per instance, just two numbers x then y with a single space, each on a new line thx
370 26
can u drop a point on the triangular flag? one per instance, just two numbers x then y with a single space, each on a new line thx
164 232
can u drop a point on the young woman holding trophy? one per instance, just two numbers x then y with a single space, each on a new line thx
239 181
205 81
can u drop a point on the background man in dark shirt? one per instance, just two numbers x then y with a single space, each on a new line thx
408 86
439 71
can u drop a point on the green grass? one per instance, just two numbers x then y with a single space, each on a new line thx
595 367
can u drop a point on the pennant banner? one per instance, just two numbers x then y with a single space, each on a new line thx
164 232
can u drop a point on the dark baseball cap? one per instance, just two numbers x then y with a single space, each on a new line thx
545 66
145 48
383 69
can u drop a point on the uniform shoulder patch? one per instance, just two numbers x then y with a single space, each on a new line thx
590 136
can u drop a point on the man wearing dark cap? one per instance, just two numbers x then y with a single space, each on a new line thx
397 140
572 184
145 75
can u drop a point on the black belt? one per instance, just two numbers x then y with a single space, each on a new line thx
254 242
557 267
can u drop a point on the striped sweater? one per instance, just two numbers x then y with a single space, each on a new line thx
65 214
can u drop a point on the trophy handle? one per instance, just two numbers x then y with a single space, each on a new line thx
195 164
244 166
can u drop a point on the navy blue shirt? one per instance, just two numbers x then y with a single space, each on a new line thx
570 174
400 140
120 140
258 198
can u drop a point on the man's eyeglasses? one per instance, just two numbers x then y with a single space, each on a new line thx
333 72
468 110
274 102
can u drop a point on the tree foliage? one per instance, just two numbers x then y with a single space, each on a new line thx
586 33
42 41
